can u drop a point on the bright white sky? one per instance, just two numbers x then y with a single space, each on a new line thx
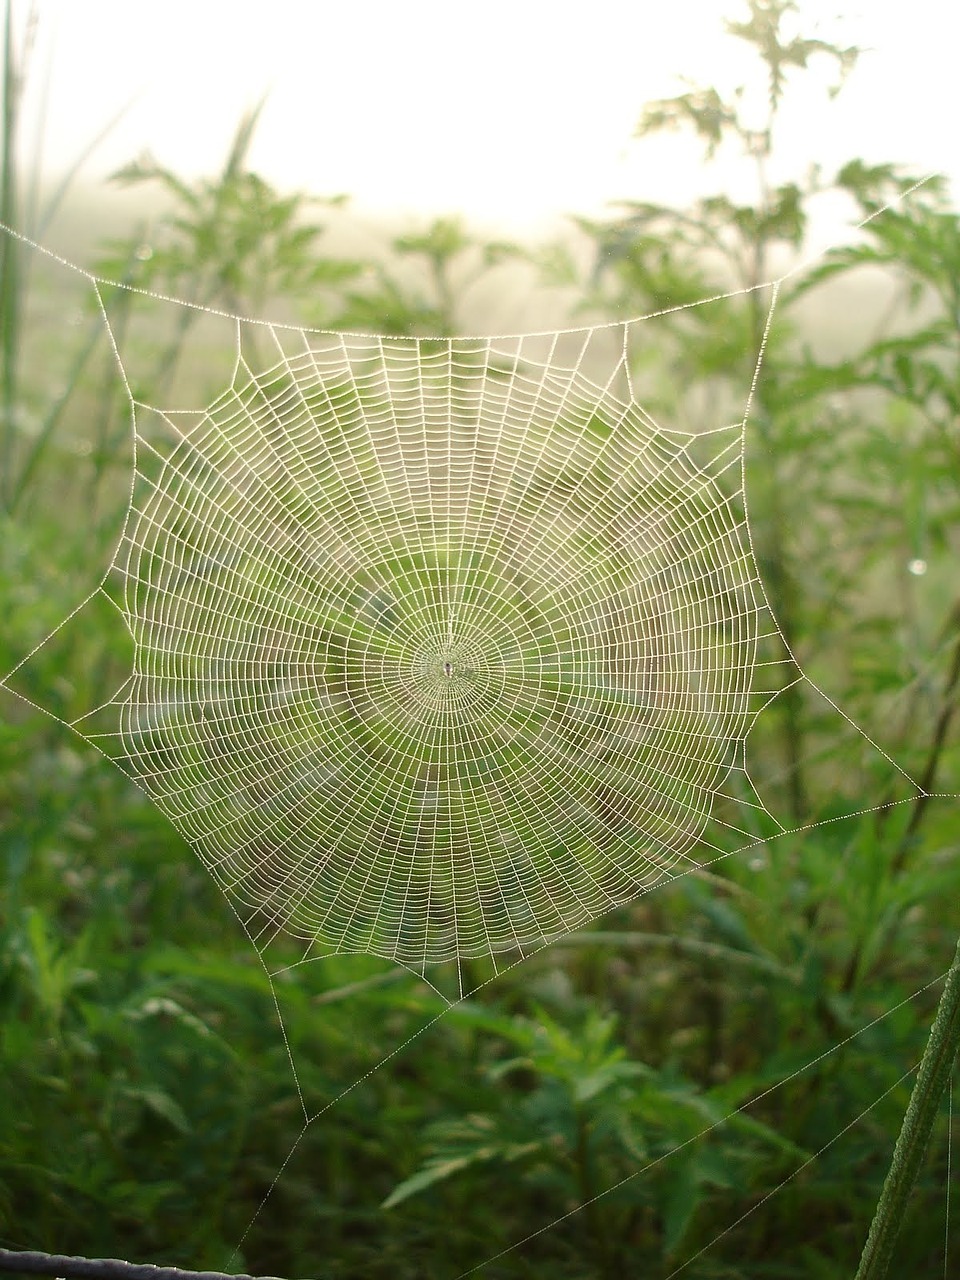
509 112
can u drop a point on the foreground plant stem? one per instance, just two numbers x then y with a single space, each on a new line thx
936 1067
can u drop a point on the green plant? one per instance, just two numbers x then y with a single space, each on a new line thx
658 257
231 243
572 1112
390 303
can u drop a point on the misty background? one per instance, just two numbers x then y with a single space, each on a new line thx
509 117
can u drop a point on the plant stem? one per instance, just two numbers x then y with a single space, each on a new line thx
928 779
588 1199
936 1067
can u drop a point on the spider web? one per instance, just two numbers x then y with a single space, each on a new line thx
441 647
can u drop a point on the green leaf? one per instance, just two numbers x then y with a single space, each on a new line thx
433 1171
681 1200
162 1105
460 1145
587 1087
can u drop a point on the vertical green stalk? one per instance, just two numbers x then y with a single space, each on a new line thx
9 256
936 1068
761 145
588 1197
783 601
928 779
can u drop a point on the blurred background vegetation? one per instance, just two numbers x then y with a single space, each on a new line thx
148 1100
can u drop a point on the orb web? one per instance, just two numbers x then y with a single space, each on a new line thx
442 647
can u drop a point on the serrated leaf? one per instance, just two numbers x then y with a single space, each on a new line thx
589 1086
